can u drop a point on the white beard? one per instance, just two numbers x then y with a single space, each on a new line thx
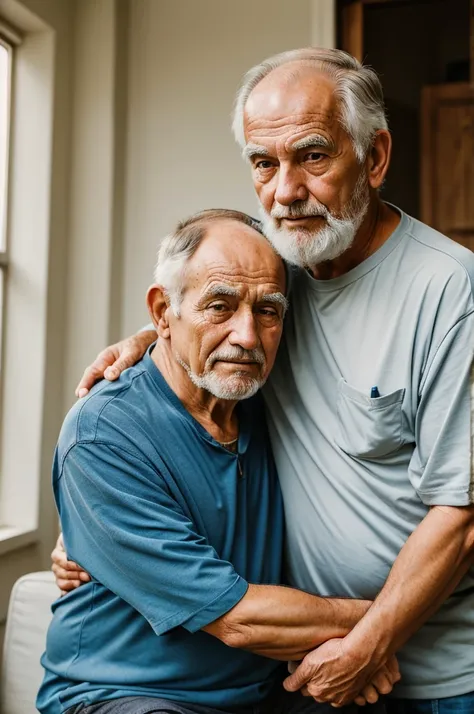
237 386
306 248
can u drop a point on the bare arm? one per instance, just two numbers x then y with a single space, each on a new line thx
278 622
428 568
266 614
284 623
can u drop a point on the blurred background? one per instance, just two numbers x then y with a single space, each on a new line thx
115 123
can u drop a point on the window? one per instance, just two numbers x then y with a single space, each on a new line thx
5 88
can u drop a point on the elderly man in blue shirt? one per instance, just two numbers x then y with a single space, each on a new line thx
168 497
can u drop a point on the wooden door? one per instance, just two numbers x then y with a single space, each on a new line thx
350 15
447 161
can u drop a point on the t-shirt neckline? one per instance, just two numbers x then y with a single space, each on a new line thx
368 264
165 389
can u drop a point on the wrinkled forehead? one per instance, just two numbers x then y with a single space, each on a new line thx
288 98
236 256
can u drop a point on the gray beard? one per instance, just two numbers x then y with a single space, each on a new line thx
235 387
306 248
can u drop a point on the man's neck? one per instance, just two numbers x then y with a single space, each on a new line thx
378 225
217 416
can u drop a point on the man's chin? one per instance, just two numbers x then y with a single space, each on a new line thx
236 387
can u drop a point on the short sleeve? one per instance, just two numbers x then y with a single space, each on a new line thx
440 468
122 525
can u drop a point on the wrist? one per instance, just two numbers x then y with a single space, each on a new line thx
369 642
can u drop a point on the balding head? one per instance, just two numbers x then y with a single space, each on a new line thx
357 90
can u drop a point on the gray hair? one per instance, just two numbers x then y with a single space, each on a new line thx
178 247
358 90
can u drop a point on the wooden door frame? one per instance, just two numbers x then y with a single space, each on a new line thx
350 25
431 98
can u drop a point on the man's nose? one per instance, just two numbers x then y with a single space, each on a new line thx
291 185
245 330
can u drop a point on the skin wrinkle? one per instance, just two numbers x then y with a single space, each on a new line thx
282 122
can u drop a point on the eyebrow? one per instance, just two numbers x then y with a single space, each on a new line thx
314 140
277 299
251 150
216 290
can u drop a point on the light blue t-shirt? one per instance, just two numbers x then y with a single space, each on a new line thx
172 527
359 472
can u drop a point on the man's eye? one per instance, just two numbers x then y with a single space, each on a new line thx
217 307
314 156
263 165
269 313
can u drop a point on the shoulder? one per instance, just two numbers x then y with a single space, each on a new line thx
441 259
113 412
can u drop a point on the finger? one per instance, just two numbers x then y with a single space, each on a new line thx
360 701
124 362
84 577
382 682
60 558
128 357
68 585
394 669
298 679
292 665
95 371
62 574
370 694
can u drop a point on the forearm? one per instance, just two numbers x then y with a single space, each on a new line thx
284 623
429 567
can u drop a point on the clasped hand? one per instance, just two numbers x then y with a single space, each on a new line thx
337 674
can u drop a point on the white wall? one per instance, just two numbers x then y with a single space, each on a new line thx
186 59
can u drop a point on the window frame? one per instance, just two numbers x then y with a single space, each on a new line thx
7 41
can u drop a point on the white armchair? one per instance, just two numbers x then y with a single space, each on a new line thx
29 615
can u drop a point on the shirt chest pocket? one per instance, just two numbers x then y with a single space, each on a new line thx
369 428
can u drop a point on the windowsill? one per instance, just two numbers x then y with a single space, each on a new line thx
14 538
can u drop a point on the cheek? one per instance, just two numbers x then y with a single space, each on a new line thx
186 339
210 337
265 192
326 189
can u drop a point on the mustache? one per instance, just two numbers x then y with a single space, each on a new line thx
300 209
236 354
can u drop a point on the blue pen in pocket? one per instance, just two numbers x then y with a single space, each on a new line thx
374 393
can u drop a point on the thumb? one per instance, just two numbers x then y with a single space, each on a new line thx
123 362
298 679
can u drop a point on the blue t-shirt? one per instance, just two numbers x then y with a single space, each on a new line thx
172 527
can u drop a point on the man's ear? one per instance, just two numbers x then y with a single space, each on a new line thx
379 158
159 306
